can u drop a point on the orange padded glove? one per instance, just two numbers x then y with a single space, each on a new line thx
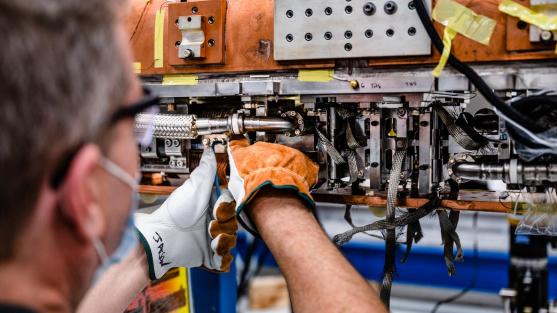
266 164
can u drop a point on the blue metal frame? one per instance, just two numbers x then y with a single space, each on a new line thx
426 266
213 292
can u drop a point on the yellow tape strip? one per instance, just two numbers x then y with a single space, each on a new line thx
159 39
189 80
465 21
316 76
137 67
528 15
459 19
448 37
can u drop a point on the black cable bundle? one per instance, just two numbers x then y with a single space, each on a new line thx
480 84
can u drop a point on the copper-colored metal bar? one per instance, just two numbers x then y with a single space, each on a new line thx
484 206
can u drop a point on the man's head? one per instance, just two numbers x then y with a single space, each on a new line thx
64 69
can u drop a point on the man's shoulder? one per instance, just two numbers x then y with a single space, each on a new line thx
9 308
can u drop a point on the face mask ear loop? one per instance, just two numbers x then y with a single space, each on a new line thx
101 250
119 173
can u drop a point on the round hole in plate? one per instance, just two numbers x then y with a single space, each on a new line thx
369 33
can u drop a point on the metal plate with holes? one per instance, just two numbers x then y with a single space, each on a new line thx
326 29
205 21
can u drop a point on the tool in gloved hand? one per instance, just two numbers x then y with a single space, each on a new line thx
186 231
265 164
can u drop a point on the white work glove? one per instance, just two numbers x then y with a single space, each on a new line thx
186 231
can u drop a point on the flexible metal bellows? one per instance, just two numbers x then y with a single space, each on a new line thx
188 126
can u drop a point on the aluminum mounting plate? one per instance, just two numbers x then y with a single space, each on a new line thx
329 29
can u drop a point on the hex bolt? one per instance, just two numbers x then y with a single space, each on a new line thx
188 54
390 7
369 8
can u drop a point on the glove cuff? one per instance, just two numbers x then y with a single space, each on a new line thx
275 177
147 249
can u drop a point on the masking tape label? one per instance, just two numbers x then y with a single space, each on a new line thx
459 19
316 76
465 21
159 39
528 15
448 37
137 67
188 80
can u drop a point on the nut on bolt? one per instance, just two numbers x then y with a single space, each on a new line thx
354 84
369 8
188 54
390 7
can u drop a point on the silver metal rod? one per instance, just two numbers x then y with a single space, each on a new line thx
512 172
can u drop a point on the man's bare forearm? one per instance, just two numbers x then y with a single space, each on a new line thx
118 286
319 278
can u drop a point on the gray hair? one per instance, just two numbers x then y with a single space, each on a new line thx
61 74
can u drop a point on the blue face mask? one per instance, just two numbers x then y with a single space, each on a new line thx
129 236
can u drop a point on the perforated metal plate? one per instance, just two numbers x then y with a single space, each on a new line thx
328 29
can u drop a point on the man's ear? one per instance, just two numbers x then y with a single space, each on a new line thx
79 197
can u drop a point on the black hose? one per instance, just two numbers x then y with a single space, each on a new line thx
476 80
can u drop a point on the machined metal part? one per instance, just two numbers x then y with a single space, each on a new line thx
180 126
317 29
193 37
512 172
